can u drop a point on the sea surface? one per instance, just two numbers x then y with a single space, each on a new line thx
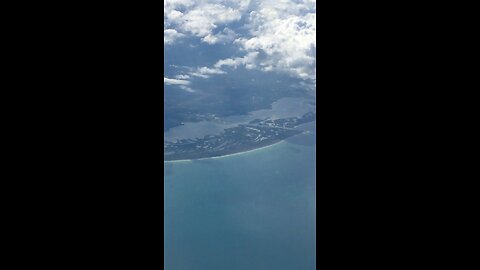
250 211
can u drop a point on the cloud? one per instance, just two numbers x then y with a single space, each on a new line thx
170 35
225 36
186 88
273 36
182 84
283 33
182 77
248 61
168 81
201 18
205 72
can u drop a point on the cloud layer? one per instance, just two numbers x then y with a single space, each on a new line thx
271 35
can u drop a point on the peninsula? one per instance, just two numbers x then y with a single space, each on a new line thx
256 134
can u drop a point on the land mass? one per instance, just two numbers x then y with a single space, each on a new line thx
256 134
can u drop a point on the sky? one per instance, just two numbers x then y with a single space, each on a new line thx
207 39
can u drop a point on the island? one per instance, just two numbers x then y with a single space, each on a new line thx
256 134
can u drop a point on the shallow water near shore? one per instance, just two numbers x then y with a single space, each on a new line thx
250 211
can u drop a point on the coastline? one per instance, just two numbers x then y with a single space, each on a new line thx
225 156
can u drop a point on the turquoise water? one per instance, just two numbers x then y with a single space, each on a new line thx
250 211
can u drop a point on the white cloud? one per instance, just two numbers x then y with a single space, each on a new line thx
186 88
182 84
205 72
201 18
284 34
182 77
277 35
170 35
204 19
226 36
168 81
248 61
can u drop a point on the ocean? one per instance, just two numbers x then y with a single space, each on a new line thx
249 211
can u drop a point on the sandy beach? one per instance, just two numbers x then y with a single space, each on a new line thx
224 156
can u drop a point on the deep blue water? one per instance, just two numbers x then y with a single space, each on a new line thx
250 211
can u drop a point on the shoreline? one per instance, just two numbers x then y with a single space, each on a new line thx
225 156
